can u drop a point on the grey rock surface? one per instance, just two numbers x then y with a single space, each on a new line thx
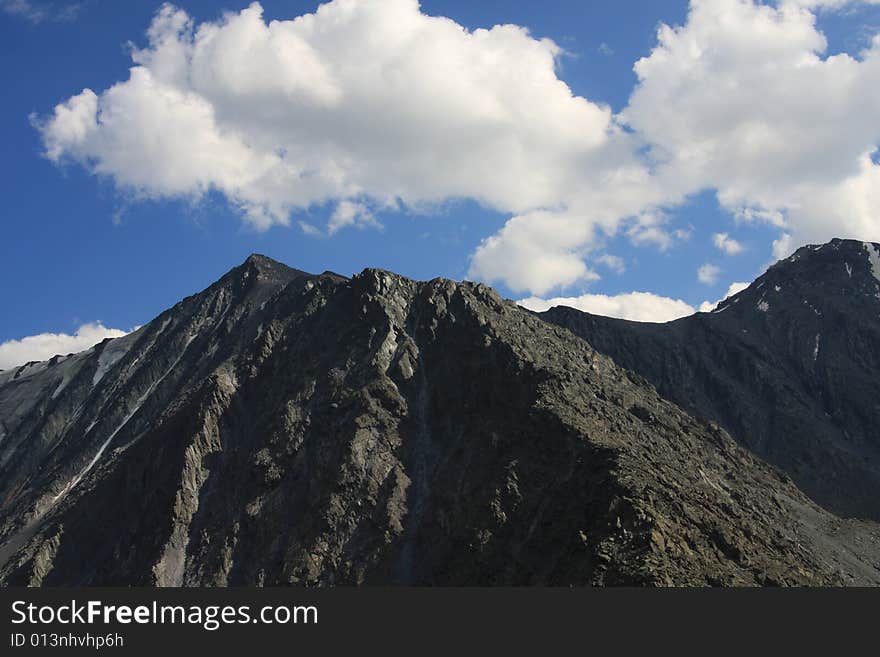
284 428
790 367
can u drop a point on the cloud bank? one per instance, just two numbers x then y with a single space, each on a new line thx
373 105
45 345
741 99
362 101
635 306
368 104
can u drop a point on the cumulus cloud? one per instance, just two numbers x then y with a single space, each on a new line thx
351 214
635 306
724 242
45 345
535 252
372 103
742 99
708 274
359 99
648 228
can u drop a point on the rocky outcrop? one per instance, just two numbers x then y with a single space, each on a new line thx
789 367
283 428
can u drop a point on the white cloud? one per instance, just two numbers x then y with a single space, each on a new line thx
374 104
827 4
612 262
45 345
724 242
772 217
742 99
535 252
348 213
708 274
647 229
635 306
735 288
360 100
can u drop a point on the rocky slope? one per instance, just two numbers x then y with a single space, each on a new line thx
789 367
283 428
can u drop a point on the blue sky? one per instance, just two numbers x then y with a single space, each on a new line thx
85 242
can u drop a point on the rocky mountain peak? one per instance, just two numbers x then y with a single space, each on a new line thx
788 366
285 428
834 275
266 269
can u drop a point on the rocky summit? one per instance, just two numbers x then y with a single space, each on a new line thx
283 428
790 367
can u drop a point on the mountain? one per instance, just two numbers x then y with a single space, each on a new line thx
287 428
790 367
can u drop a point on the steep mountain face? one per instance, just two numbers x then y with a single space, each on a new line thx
790 367
284 428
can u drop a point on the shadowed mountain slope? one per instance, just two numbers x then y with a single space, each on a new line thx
283 428
790 367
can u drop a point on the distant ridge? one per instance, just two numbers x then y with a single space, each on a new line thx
790 367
